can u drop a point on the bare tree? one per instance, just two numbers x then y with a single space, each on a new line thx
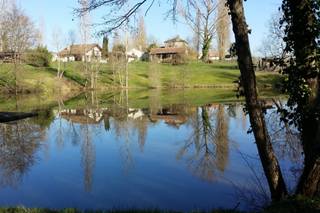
72 37
20 30
41 33
3 10
140 36
197 34
85 34
18 34
223 29
57 43
202 18
273 44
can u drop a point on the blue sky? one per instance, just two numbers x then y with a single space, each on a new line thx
58 14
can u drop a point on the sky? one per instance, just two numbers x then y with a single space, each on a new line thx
53 14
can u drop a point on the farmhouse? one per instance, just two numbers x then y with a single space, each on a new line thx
173 48
81 52
135 54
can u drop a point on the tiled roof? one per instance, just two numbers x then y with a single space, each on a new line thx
176 39
77 49
167 50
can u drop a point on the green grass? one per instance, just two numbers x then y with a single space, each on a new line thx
34 80
191 75
141 75
214 83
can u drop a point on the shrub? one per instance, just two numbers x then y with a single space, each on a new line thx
38 57
179 59
119 48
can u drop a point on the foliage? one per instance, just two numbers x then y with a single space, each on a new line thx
38 57
302 34
151 46
296 204
105 46
179 59
119 48
233 50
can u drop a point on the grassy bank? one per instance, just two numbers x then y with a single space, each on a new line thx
291 205
191 75
34 80
141 75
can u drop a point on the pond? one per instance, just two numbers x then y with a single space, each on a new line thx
143 150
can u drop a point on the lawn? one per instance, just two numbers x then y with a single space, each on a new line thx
191 75
34 80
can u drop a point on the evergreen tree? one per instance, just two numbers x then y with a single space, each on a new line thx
105 46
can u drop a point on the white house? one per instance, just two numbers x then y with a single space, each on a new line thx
134 54
81 52
212 55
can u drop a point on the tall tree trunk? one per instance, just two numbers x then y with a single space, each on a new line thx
206 48
269 161
302 34
309 183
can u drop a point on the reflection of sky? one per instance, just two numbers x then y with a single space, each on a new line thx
124 176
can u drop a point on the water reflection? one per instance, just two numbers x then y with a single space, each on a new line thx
207 147
18 144
147 147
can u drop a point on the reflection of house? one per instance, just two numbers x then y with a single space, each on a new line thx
173 48
81 52
135 114
82 116
171 118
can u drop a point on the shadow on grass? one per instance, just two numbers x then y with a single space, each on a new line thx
76 78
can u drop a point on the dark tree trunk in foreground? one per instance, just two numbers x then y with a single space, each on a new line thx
302 26
269 161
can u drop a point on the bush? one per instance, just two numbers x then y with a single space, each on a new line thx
179 59
119 48
39 57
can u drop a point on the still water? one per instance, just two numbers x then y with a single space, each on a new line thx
103 152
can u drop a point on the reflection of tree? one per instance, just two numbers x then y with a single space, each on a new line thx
18 144
87 156
208 145
141 124
221 139
285 139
